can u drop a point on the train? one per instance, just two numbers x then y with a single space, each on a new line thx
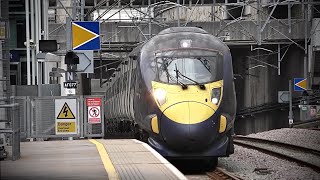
176 92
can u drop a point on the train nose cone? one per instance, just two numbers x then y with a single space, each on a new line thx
188 126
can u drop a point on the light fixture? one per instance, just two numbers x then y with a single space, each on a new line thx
185 43
215 95
160 95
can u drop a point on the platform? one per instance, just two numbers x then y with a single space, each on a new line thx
89 159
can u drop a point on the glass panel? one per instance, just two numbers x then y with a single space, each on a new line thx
202 69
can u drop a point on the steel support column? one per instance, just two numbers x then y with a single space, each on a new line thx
28 42
33 53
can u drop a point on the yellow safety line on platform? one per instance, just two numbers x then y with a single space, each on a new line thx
112 173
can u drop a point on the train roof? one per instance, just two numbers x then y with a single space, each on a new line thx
182 29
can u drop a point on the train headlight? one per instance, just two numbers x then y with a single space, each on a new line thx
185 43
215 95
160 96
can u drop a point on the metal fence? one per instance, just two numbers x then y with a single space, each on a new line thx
38 117
24 112
93 129
43 117
11 129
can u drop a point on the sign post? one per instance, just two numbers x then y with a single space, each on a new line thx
290 104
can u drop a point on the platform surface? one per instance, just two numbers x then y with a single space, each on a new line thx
88 159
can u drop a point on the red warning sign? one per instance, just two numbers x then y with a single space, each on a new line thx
93 101
94 110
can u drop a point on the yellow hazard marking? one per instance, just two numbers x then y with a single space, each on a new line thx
112 173
65 113
81 35
302 84
66 127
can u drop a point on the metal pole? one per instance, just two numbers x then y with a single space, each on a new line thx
150 30
212 9
45 34
289 16
259 23
279 60
45 6
305 59
178 12
290 104
69 40
74 9
28 42
38 30
33 55
36 41
82 9
68 30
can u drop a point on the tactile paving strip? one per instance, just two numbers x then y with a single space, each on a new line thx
133 161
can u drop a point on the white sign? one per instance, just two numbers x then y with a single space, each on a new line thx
283 96
70 76
66 116
70 91
94 111
94 114
85 61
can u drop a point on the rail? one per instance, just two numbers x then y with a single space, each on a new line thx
222 174
302 155
307 124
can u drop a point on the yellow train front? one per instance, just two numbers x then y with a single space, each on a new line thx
183 93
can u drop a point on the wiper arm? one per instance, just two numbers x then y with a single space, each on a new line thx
177 80
180 74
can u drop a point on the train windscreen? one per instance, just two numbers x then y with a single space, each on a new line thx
189 69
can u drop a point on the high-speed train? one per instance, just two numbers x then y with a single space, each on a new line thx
178 90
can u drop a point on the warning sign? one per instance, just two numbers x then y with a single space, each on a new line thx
94 110
93 102
66 116
65 113
66 127
94 115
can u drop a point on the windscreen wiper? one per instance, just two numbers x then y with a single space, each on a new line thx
178 73
184 86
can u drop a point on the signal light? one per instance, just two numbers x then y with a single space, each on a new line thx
71 58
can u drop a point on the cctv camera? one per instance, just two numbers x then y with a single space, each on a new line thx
31 42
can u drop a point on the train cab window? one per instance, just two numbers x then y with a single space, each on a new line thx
189 69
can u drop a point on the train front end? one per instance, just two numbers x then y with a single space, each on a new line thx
188 89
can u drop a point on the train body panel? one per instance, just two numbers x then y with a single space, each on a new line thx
178 87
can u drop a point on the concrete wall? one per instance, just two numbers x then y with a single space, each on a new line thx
260 85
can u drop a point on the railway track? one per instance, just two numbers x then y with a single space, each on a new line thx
311 123
302 155
221 174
